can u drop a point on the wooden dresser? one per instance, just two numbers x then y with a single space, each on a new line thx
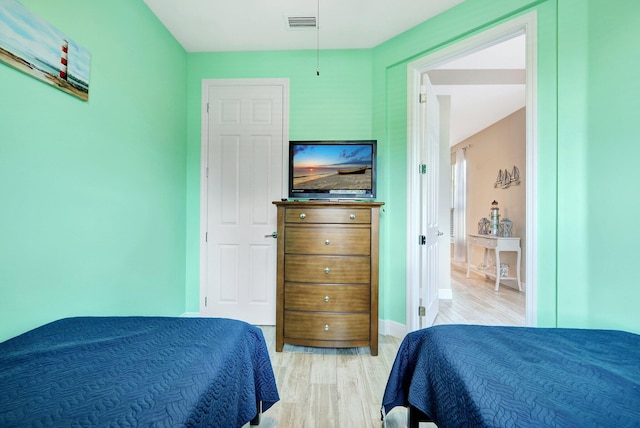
327 275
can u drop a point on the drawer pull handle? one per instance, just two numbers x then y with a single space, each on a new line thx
326 327
327 270
352 216
326 298
303 216
327 242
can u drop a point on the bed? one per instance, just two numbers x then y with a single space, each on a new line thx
136 371
481 376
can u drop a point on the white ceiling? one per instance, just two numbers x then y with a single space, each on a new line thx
484 87
258 25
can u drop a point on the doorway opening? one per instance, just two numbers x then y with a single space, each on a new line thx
525 28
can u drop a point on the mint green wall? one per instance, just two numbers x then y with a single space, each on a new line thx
96 196
587 109
335 105
573 151
598 207
390 116
92 194
583 145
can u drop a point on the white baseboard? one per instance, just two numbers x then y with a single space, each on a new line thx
395 329
445 294
392 328
190 315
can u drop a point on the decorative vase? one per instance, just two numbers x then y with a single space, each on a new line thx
483 226
507 228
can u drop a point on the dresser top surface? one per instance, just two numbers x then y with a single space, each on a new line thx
333 204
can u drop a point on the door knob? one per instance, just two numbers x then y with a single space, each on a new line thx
272 235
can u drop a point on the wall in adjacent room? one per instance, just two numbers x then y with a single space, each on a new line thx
498 147
92 214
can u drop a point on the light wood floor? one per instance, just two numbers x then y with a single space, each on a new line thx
343 388
475 302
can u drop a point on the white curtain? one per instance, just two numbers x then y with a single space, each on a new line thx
459 207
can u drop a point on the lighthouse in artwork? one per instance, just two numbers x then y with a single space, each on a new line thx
63 59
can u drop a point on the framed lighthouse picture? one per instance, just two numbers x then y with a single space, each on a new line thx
30 44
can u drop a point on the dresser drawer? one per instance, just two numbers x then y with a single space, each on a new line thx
327 298
327 269
328 215
328 240
483 242
326 326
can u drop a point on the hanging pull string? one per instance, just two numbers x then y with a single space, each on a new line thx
318 40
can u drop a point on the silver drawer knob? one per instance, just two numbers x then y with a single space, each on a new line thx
326 327
352 216
326 298
303 216
327 242
327 270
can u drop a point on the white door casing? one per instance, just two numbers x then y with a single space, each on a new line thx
444 220
524 24
243 171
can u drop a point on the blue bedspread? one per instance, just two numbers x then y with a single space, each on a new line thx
135 371
479 376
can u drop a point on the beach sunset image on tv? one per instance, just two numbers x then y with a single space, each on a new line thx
332 166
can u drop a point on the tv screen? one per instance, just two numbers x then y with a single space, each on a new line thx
332 169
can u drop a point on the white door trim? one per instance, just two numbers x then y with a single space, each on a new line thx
524 24
204 155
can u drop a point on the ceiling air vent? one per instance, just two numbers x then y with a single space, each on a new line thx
301 22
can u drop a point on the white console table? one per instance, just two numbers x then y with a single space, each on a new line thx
498 244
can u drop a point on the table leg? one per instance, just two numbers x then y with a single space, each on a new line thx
518 271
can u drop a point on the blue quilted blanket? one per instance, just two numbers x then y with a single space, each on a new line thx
135 371
479 376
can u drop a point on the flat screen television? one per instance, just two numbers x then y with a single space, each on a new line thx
332 169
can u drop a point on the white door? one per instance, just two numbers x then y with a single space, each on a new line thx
429 149
244 174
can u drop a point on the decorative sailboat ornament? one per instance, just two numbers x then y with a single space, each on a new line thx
506 179
515 176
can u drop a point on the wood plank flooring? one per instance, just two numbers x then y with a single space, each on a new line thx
475 302
343 388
